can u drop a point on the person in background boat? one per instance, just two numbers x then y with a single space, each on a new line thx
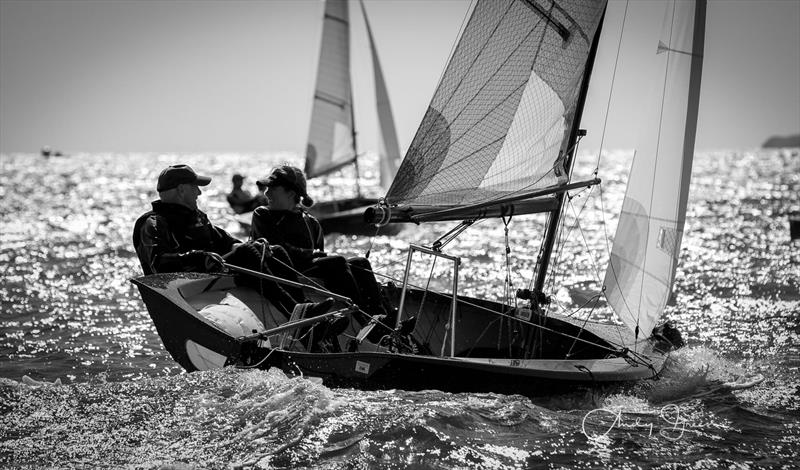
260 199
239 198
178 237
285 221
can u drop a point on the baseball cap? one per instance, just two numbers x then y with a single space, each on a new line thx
174 175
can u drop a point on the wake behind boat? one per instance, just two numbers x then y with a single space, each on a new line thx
488 148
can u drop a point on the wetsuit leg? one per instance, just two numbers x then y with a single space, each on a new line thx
367 284
335 273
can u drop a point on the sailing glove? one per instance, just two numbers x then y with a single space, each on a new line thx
213 262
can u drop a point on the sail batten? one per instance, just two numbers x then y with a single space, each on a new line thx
644 257
505 101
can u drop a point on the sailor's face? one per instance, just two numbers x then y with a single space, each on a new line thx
279 198
188 193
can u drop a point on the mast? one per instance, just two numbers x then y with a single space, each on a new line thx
555 215
355 144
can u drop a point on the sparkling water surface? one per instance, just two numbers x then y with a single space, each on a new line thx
86 383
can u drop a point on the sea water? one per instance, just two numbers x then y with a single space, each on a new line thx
86 383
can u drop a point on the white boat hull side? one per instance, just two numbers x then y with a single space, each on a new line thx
203 358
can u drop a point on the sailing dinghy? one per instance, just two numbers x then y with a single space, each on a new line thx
497 140
332 142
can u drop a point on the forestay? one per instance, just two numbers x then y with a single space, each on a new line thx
498 123
645 254
330 139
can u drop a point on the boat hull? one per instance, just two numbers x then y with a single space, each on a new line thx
176 303
186 336
375 371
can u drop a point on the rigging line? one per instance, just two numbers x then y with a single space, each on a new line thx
610 264
257 364
480 336
577 223
583 236
585 321
611 90
310 280
372 240
539 255
562 240
578 309
320 288
553 268
600 152
608 253
422 303
507 286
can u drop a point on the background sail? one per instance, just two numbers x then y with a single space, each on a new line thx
330 139
389 157
499 116
642 266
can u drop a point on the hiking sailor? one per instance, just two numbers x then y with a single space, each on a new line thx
285 222
176 236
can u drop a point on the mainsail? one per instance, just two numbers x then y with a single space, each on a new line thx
497 125
647 243
331 142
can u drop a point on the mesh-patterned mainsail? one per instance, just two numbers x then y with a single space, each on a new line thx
330 139
498 119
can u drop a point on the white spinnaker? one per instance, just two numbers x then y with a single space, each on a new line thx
389 157
330 138
641 270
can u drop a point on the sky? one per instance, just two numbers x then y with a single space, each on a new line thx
238 76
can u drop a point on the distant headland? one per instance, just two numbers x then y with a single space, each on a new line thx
777 141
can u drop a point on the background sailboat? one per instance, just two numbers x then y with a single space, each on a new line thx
332 140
